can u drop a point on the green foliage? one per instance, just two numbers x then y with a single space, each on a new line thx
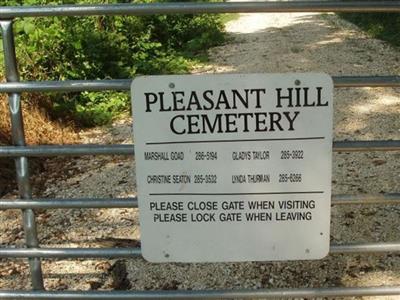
385 26
92 108
225 18
101 47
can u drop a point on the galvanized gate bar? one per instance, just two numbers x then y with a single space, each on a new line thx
70 252
70 86
136 252
392 198
18 139
199 7
70 203
129 149
359 146
366 81
132 202
125 84
208 294
68 150
365 248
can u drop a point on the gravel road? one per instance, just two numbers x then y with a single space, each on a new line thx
269 43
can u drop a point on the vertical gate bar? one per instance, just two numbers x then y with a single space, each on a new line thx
21 163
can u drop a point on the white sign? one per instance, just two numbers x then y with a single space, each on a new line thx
233 167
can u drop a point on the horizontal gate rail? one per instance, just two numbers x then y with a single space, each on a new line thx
74 86
199 7
70 252
360 146
20 151
71 203
129 149
132 202
125 84
365 248
366 81
62 253
67 150
208 294
392 198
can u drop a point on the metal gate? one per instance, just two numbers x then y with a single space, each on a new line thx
20 152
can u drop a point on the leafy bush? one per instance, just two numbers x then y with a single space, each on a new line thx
385 26
101 47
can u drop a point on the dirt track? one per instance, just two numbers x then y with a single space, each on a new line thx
260 43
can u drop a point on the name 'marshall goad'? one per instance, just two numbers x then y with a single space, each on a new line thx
248 103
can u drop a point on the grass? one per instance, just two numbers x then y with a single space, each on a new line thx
39 129
384 26
225 18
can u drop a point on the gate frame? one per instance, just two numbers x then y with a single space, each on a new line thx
20 151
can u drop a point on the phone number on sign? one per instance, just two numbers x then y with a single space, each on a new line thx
211 178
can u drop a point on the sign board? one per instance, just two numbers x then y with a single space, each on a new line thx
233 167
